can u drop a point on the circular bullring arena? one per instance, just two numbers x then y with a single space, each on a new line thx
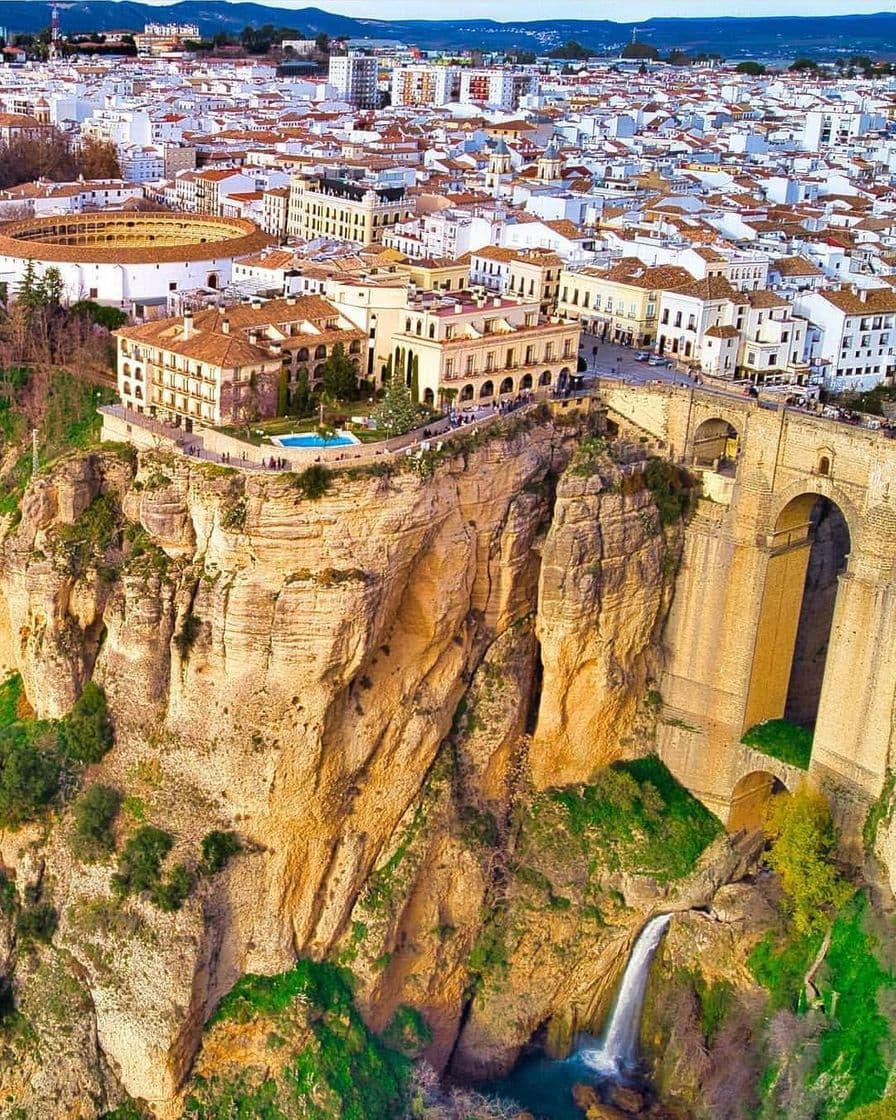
129 259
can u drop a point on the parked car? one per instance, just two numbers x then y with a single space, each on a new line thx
657 360
643 356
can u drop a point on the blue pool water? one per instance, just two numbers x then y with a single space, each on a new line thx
312 439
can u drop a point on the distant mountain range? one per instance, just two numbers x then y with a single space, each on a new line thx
770 37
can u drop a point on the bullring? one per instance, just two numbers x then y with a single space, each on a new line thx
129 259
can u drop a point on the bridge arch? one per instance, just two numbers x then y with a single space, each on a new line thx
750 798
716 442
807 550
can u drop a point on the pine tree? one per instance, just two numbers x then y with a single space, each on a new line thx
396 413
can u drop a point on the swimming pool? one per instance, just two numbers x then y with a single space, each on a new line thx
313 440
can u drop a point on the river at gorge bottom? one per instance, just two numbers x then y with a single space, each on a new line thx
543 1086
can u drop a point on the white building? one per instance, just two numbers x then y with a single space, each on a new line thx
425 85
500 87
855 346
827 127
354 77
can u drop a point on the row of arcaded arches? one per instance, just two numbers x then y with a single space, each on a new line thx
508 385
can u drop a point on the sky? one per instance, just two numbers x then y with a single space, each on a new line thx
519 10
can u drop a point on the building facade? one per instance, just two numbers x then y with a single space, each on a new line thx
228 365
353 211
468 348
354 77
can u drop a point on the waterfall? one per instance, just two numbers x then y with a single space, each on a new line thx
618 1051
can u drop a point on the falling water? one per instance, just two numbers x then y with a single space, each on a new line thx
544 1086
618 1052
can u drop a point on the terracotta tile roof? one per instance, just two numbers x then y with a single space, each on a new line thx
795 266
880 300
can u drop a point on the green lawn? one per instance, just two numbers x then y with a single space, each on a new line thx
782 740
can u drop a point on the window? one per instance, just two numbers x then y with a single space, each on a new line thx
677 318
773 359
666 315
172 286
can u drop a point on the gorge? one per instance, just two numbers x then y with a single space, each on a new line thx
437 707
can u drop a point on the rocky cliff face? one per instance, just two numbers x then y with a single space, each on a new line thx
352 685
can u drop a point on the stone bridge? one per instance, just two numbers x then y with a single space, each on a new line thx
785 603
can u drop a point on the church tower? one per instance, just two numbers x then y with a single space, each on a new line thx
498 165
549 164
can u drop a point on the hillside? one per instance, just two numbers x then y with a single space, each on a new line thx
780 37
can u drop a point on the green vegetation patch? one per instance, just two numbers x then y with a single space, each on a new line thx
140 870
781 739
217 848
671 487
35 754
857 1049
321 1059
94 814
633 817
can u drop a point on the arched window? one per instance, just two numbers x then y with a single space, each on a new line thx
302 355
824 465
354 347
320 352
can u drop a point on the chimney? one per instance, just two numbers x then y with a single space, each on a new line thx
458 308
225 326
188 324
863 295
253 338
276 349
496 302
290 301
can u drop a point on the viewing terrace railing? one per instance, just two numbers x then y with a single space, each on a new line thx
125 425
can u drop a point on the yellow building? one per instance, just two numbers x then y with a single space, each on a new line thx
435 275
476 348
620 304
321 206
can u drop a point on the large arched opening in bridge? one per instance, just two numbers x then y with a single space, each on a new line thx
716 444
750 799
808 551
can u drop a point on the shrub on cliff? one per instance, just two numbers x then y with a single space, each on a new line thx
29 772
85 734
804 842
94 816
217 848
140 866
313 481
670 486
36 923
